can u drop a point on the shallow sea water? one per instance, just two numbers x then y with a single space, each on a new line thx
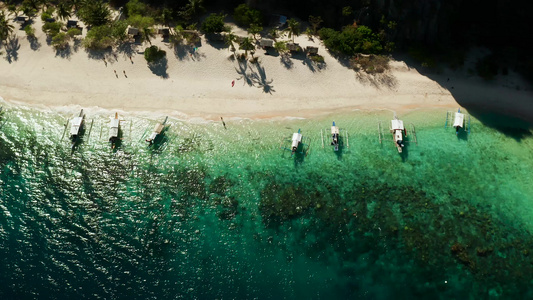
210 212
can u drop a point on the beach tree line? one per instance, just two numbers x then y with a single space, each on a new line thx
106 30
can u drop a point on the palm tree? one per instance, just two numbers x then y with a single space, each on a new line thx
254 30
247 45
147 34
6 29
293 27
64 10
231 38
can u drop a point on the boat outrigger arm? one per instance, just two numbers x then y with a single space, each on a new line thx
458 121
335 137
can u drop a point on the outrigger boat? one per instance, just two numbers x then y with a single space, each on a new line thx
157 131
297 145
398 131
296 141
114 128
335 137
76 127
460 120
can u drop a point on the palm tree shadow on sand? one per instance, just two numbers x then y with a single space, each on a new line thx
251 77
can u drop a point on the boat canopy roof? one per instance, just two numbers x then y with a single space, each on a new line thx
334 130
158 128
114 123
459 120
397 124
76 124
297 137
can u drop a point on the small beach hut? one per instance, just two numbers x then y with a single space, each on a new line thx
164 31
133 31
21 20
267 43
72 23
311 50
293 47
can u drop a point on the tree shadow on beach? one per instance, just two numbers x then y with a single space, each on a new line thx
242 69
35 45
259 79
99 54
286 61
65 52
188 52
127 49
378 80
251 77
159 67
12 47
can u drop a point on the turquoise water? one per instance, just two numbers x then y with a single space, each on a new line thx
223 213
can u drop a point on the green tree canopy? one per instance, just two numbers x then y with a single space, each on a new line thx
153 54
246 16
213 23
352 40
94 13
6 29
99 37
247 45
293 27
135 7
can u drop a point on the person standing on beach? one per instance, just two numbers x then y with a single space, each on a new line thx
232 83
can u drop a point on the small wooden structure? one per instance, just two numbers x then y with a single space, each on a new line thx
21 20
164 31
72 23
311 50
294 47
133 31
266 43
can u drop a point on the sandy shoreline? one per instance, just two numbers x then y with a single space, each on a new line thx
199 85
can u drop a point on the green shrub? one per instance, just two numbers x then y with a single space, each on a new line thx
371 64
72 32
30 31
317 58
99 37
45 16
60 40
52 29
153 54
140 22
214 23
119 31
246 16
281 46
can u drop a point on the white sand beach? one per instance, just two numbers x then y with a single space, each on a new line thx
199 85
